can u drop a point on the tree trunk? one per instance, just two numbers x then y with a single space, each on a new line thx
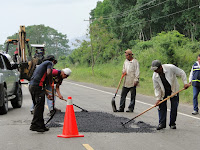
92 50
150 33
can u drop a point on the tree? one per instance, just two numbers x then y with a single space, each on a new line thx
55 43
104 46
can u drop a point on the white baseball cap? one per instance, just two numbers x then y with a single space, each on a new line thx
67 71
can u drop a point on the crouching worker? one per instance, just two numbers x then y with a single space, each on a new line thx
37 90
165 84
58 76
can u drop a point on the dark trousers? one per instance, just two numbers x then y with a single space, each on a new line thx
124 93
196 91
38 97
162 111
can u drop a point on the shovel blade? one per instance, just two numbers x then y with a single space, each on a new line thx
54 112
113 105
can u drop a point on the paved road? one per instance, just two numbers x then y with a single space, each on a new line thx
15 133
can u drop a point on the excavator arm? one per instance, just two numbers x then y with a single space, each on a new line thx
26 66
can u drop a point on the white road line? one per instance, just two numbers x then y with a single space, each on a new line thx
129 99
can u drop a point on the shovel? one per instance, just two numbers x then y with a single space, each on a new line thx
113 99
53 102
84 110
123 124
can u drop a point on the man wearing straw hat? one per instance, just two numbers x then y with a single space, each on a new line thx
131 69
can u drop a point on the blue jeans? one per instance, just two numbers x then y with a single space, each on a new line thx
49 102
196 91
162 111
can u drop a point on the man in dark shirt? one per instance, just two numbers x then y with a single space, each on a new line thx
36 88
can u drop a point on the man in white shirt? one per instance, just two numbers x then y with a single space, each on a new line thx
194 78
165 84
131 69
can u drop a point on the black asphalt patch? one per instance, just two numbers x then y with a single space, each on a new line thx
102 122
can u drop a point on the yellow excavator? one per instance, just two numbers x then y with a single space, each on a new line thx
27 63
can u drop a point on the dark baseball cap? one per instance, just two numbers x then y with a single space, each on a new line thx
50 58
155 64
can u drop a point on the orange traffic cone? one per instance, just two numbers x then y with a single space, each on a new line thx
70 127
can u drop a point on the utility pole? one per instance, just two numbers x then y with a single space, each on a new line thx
92 50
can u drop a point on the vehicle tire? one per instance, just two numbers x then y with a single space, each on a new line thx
4 108
17 101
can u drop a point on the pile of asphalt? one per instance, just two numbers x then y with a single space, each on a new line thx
102 122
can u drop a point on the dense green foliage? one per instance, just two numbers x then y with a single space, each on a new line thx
142 19
157 25
55 43
169 47
167 30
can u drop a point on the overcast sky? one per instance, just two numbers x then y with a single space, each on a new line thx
66 16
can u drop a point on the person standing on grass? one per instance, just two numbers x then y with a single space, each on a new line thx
131 69
165 84
194 78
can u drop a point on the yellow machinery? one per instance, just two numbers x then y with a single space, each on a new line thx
26 63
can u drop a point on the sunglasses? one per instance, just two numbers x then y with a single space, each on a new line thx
128 54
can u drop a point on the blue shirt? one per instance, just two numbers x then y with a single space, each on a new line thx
40 73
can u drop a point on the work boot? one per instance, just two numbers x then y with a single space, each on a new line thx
195 112
160 126
32 112
173 127
46 129
120 110
129 110
37 129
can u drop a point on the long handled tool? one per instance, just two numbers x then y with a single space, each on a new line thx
113 99
66 101
123 124
53 100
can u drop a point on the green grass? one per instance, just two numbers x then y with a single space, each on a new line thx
109 75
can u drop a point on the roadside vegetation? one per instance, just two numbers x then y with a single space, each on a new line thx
167 30
169 47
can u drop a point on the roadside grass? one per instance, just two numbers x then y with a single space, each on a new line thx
109 75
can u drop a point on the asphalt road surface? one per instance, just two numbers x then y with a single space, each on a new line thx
100 126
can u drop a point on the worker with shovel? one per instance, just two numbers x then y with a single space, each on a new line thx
58 76
165 83
37 90
131 69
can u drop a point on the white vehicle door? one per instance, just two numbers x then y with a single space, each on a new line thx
9 76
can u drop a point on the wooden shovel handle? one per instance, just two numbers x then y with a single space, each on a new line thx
153 106
56 95
120 82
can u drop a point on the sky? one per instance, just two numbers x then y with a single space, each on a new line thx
65 16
